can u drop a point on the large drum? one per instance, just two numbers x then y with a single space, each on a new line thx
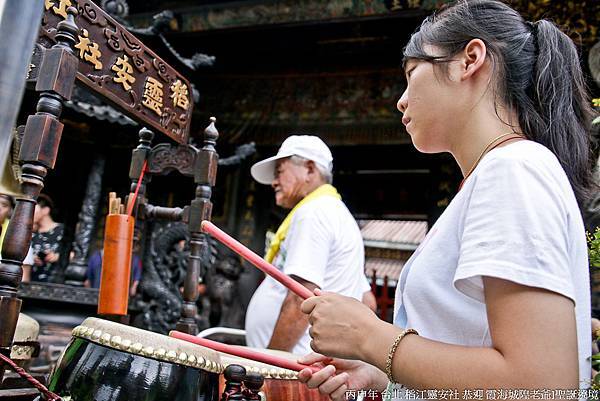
107 361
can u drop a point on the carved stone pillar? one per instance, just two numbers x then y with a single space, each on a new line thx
88 216
38 154
205 173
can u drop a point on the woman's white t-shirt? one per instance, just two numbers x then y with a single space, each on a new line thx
516 218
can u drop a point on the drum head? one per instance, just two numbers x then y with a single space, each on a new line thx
107 361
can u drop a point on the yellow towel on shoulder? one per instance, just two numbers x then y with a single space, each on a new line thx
323 190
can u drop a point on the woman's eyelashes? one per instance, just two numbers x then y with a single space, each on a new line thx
410 67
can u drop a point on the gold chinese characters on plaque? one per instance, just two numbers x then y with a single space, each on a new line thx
180 95
123 70
88 50
58 7
117 66
153 95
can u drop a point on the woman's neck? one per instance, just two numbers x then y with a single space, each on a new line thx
481 130
46 224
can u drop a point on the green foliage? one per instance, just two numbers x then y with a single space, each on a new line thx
594 248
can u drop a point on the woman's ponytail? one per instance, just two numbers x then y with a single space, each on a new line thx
561 115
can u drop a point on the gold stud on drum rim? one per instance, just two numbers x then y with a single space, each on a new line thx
116 342
148 344
171 356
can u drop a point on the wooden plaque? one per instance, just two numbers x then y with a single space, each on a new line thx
116 65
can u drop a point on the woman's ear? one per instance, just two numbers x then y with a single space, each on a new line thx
473 58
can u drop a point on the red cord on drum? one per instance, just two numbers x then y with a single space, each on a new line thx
21 372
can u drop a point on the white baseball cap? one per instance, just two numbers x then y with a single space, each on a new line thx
307 146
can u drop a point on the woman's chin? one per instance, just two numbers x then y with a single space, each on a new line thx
424 147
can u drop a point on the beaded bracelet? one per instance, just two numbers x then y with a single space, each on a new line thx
390 357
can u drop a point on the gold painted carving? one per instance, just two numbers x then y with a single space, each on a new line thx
124 71
180 95
153 95
61 9
89 51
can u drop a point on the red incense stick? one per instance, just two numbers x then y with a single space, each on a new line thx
131 202
256 260
244 352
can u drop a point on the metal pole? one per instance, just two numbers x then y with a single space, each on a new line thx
19 26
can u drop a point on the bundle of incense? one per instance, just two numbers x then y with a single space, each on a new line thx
115 206
244 352
256 260
114 203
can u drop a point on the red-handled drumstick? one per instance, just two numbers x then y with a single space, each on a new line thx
243 352
256 260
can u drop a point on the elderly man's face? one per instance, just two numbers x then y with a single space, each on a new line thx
288 183
5 209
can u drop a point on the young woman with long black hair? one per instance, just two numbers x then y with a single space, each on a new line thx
497 296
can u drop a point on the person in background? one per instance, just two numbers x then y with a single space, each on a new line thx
7 204
319 244
46 240
94 270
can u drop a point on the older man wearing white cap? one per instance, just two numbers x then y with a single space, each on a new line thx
319 244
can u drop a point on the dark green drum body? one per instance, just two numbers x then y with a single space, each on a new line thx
106 361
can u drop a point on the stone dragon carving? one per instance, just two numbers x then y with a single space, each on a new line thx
164 267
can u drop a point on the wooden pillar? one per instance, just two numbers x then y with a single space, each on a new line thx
38 154
138 157
205 173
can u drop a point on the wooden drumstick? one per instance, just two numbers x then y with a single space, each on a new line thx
243 352
259 262
256 260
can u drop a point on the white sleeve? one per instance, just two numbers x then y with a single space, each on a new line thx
515 228
309 242
365 284
29 258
